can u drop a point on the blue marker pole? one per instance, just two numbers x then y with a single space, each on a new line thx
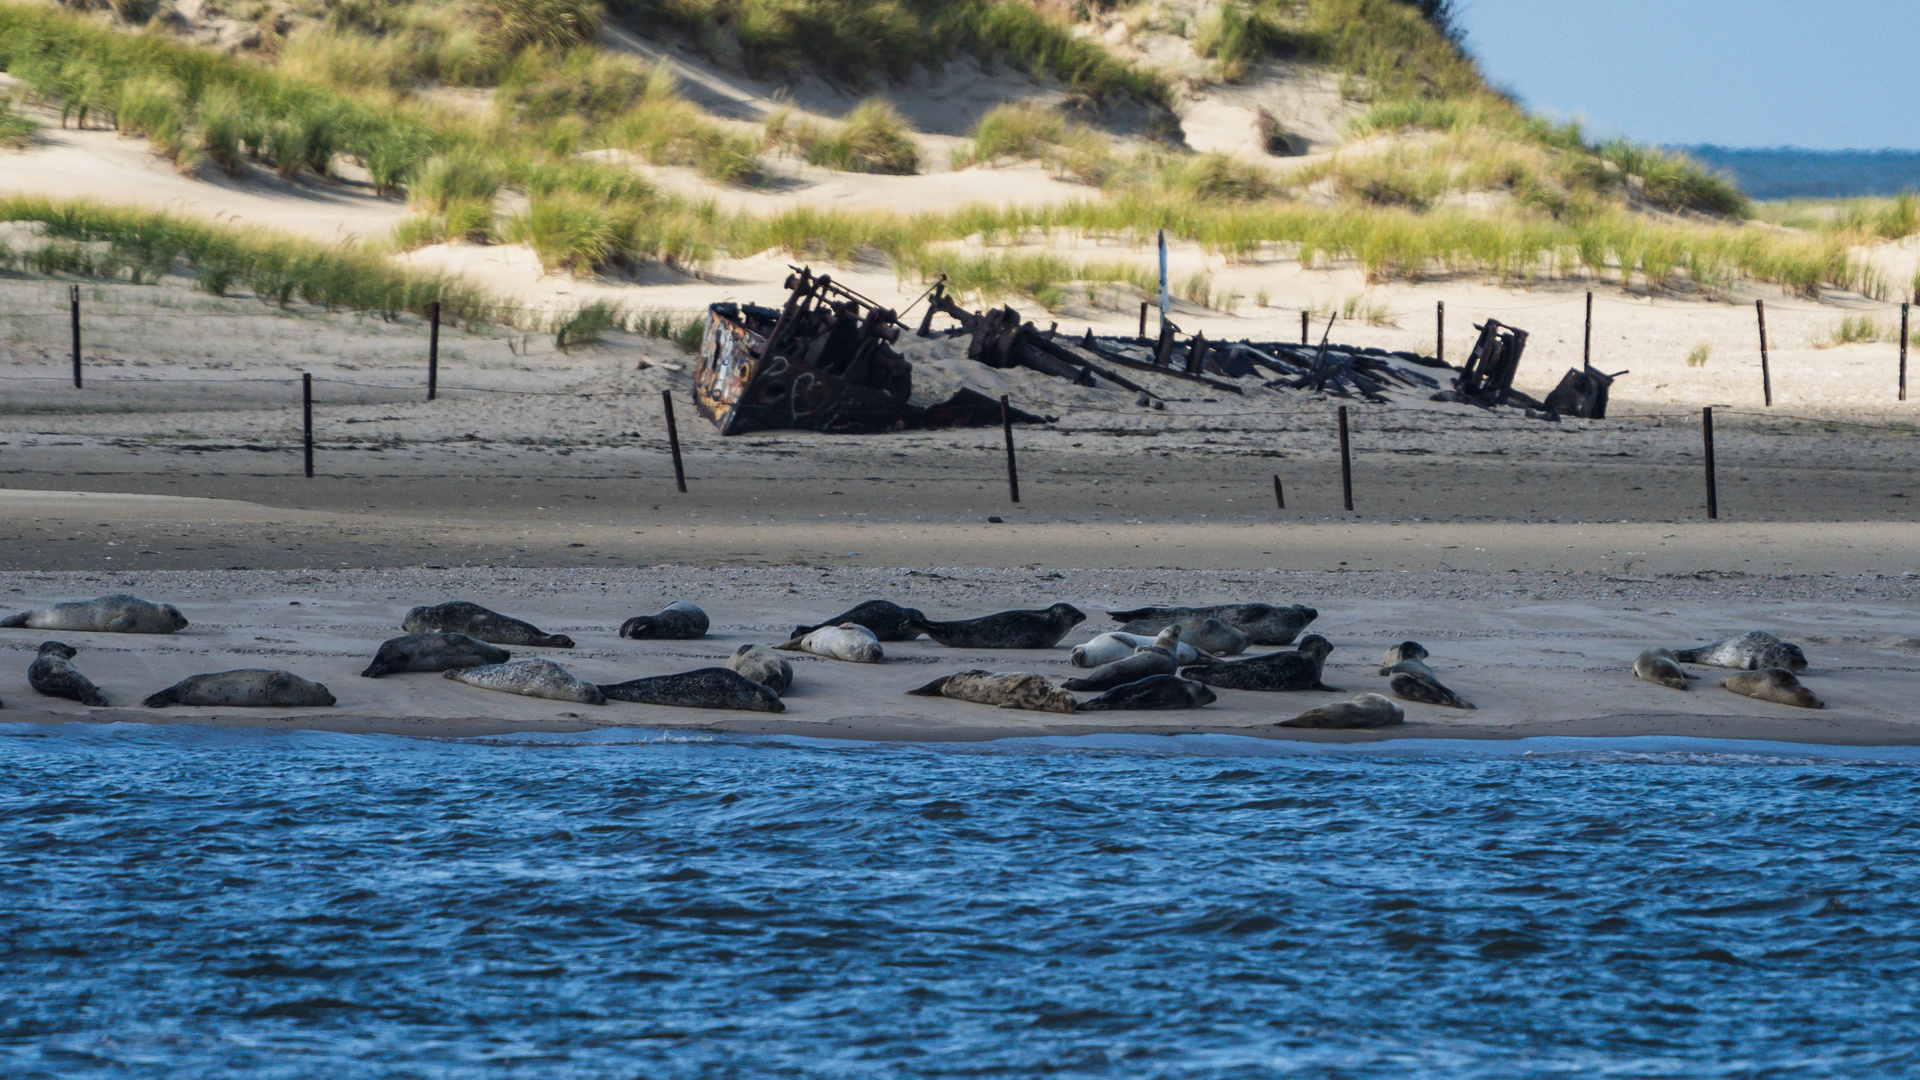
1166 302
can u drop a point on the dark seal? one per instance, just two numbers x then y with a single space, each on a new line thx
702 688
1296 669
1005 629
1264 624
433 652
1152 692
888 620
676 622
461 617
248 686
52 673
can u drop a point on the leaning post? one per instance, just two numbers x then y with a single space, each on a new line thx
1766 377
1903 351
1346 463
1006 426
433 349
73 300
306 417
1706 439
673 443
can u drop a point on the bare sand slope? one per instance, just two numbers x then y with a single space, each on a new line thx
1554 662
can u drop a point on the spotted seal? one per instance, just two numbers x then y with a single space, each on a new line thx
1008 690
1365 711
52 673
679 621
1113 645
1264 624
848 641
1033 629
1203 632
762 665
701 688
115 613
475 621
1154 659
461 617
1773 684
888 620
1415 681
1659 666
248 686
1294 669
1750 651
1152 692
433 652
532 678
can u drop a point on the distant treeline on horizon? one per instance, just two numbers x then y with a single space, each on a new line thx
1786 173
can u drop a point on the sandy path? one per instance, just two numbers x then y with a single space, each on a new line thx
1550 661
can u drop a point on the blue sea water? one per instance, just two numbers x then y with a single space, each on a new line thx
180 901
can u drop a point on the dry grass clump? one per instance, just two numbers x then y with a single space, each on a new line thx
873 138
1025 132
1699 354
1870 219
15 130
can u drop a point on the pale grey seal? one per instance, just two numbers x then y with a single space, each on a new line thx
1750 651
461 617
533 678
1659 666
1154 659
678 621
1264 624
52 673
433 652
1203 632
1773 684
764 666
702 688
248 686
848 641
1365 711
1032 629
888 620
116 613
1295 669
1152 692
1113 645
1008 690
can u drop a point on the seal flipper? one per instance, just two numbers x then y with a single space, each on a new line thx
1692 656
160 700
14 622
640 626
932 689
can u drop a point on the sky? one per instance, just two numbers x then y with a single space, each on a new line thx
1823 75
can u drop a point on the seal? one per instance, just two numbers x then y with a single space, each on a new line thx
1659 666
678 621
1008 690
248 686
762 665
1264 624
461 617
1365 711
52 673
1035 629
1406 650
1152 692
1294 669
533 678
433 652
886 619
1415 681
848 641
1773 684
1203 632
702 688
115 613
1154 659
1750 651
1113 645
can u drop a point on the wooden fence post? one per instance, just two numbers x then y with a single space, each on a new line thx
1006 426
1346 462
433 349
1706 439
673 442
1440 331
306 418
73 299
1586 340
1279 496
1903 351
1766 377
